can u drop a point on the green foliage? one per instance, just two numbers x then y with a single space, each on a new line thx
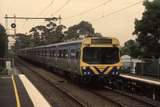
3 41
3 45
124 51
53 33
50 33
22 41
97 34
131 48
83 28
148 30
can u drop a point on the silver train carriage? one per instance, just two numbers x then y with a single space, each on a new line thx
90 58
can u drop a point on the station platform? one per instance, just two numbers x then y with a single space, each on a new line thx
144 79
18 91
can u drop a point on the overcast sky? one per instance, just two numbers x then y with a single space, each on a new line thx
120 25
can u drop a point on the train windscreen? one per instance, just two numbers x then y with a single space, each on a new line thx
101 55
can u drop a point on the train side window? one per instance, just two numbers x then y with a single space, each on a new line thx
48 52
77 55
55 55
59 53
72 53
38 52
43 52
51 53
66 53
35 52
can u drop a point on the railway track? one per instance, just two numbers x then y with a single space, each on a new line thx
107 98
66 94
122 100
132 96
114 96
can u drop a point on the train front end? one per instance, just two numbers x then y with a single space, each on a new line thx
100 59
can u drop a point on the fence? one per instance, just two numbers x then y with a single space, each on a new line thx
6 63
148 68
145 67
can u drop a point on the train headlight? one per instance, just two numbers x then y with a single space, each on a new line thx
85 73
89 73
113 73
84 68
117 73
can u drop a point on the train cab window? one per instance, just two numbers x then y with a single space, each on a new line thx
101 55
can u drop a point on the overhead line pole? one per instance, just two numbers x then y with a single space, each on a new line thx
60 19
26 18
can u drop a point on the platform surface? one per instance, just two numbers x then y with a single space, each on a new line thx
7 95
18 91
144 79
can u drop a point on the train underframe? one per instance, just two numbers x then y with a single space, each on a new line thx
84 79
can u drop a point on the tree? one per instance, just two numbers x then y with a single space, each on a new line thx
3 41
98 34
3 44
22 41
131 48
53 33
82 29
38 35
148 29
47 34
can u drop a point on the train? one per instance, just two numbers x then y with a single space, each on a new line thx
87 60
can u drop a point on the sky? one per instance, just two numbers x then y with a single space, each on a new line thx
119 24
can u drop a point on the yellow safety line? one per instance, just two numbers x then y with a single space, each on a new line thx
16 92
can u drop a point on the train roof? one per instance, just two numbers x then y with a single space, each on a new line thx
55 44
64 43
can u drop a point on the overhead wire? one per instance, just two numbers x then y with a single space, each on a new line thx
88 10
103 9
50 4
117 11
58 10
24 24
